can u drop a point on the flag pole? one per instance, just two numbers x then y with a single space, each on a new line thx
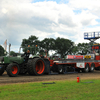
5 46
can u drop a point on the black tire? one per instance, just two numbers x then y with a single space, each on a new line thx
12 69
2 69
47 66
23 69
36 66
86 69
77 70
92 67
97 68
60 69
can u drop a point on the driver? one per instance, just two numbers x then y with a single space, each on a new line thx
26 53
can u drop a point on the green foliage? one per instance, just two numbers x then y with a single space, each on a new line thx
63 46
61 90
83 48
12 52
32 41
2 51
47 44
75 50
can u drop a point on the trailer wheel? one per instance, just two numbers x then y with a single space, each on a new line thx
92 67
77 70
2 69
13 70
86 69
60 69
36 66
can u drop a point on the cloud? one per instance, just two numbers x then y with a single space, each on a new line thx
20 19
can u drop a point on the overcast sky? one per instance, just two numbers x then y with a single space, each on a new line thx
68 19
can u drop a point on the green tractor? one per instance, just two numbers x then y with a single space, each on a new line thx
23 63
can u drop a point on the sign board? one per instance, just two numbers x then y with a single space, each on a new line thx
75 57
80 65
95 47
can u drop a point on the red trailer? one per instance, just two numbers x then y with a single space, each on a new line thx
83 65
87 63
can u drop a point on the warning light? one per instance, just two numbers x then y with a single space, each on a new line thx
28 45
36 45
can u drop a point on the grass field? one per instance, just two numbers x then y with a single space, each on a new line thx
60 90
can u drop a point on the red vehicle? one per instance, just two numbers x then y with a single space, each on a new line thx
76 63
79 62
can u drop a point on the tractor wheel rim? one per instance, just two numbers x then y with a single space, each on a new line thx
92 68
14 69
60 70
87 69
40 66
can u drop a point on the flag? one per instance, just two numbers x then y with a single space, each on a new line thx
5 44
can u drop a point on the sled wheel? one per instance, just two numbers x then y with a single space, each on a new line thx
77 70
13 70
92 67
60 69
86 69
36 66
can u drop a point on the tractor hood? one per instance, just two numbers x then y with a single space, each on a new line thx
18 60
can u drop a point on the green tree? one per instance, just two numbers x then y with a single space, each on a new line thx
63 46
74 50
83 48
32 41
12 52
47 44
2 51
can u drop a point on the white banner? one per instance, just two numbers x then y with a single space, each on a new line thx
80 65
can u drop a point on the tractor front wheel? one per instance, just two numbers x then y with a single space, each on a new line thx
12 70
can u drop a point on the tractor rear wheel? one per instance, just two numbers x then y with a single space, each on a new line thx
13 69
23 69
2 69
36 66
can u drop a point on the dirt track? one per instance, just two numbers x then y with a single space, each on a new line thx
5 79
